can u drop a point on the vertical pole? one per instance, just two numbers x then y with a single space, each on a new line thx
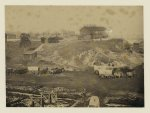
49 98
56 97
84 96
42 101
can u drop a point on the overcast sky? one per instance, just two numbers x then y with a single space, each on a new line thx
126 22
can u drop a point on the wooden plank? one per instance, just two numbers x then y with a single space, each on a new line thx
26 94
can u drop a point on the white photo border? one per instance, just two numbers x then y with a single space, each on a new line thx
146 6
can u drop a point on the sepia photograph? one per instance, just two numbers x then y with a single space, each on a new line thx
74 56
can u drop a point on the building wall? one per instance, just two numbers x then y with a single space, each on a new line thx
95 34
30 56
10 36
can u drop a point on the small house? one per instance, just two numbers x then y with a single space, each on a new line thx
30 55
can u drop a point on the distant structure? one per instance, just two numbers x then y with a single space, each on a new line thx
53 40
138 47
93 32
10 36
68 33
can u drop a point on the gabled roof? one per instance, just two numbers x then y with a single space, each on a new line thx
29 52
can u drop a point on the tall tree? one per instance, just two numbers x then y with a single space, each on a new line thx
43 39
25 40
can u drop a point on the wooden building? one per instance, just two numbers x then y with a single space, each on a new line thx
30 55
53 40
92 32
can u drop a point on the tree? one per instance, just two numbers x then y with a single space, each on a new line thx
25 40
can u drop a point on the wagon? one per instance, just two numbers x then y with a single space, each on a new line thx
103 71
56 70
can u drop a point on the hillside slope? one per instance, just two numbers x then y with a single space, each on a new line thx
81 54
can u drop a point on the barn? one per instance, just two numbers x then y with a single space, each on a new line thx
92 32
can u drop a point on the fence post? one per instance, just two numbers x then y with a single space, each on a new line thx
32 102
49 98
42 100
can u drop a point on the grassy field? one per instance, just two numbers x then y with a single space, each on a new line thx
88 80
14 53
